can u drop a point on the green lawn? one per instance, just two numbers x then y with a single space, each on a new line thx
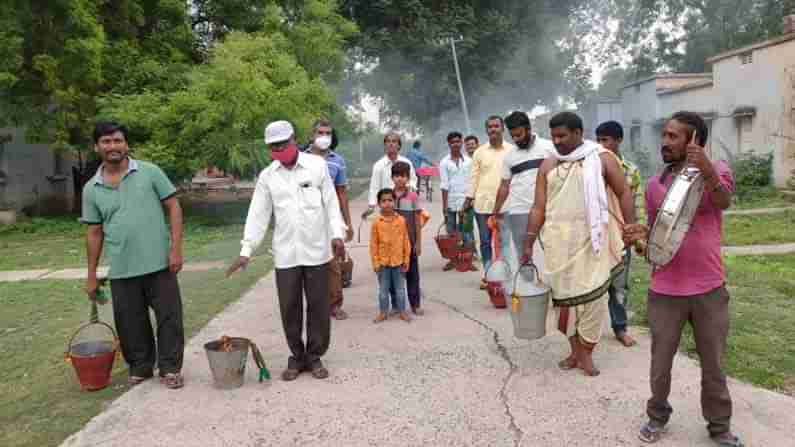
761 346
40 400
59 242
759 229
762 198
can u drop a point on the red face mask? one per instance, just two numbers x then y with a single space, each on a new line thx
286 156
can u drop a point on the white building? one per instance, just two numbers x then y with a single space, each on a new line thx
748 102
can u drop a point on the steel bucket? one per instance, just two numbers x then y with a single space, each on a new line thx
529 305
228 368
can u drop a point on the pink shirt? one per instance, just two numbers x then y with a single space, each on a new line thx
697 267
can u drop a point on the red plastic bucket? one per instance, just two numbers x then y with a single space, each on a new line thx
93 369
496 294
463 258
446 243
93 356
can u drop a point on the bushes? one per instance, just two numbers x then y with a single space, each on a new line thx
752 172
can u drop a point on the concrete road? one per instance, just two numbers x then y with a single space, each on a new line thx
454 377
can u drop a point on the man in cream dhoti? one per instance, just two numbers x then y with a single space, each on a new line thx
581 202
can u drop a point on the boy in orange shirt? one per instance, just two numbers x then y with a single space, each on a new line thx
390 250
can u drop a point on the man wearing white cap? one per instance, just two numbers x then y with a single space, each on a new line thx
297 191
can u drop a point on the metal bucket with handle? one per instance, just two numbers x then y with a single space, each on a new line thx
529 303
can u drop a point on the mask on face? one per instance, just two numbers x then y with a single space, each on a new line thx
286 156
323 142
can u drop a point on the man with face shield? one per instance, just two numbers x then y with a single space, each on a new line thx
321 146
518 185
296 191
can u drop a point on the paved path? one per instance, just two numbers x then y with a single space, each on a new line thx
758 250
455 377
759 211
81 273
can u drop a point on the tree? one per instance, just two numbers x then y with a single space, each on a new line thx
679 35
507 45
218 116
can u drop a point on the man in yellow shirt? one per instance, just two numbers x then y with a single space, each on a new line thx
484 183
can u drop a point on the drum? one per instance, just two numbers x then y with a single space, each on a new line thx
674 216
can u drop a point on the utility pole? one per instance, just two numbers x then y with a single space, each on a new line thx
453 40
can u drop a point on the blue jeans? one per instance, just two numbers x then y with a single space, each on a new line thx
485 240
618 293
391 278
452 226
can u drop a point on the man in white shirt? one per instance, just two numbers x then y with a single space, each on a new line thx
297 192
454 171
382 170
517 188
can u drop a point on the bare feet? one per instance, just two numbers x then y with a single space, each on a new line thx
381 317
625 339
405 317
568 363
585 358
418 311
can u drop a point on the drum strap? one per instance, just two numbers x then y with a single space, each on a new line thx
526 166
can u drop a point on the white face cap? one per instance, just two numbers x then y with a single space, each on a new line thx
278 131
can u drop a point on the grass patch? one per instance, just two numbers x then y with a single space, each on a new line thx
759 229
59 242
40 400
767 197
761 346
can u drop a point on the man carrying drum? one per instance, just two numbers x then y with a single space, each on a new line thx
691 287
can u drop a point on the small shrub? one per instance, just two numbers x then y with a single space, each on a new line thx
752 172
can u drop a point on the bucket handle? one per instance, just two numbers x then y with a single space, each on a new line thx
519 270
359 230
93 318
439 231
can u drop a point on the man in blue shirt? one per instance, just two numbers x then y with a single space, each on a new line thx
417 157
321 146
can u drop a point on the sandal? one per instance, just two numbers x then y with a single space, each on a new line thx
727 440
320 372
651 432
289 374
340 314
137 380
172 381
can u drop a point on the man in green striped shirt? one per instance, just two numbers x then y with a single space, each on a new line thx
610 134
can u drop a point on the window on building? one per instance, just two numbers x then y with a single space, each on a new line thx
745 129
747 58
634 138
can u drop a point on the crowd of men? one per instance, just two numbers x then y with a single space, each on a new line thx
567 205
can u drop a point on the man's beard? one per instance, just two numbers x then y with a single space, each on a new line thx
523 144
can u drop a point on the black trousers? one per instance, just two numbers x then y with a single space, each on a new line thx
132 298
708 315
292 284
